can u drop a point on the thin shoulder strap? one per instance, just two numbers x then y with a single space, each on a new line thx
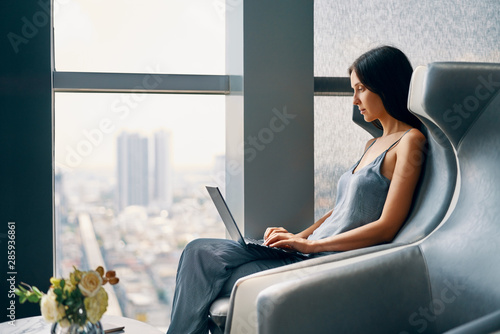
397 141
373 142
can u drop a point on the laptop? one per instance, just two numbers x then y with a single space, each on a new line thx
233 229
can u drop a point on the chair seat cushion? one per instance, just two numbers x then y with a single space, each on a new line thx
218 311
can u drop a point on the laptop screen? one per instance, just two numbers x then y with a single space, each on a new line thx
225 214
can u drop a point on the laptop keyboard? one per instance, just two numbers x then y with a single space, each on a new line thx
254 241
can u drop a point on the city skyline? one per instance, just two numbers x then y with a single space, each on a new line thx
140 243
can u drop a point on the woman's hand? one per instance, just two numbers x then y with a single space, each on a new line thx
272 230
290 241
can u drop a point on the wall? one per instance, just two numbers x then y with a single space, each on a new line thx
269 114
26 150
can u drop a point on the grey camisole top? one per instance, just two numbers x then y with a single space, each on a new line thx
360 198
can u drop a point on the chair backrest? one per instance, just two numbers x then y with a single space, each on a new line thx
463 255
437 182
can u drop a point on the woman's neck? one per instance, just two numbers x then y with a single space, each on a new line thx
391 125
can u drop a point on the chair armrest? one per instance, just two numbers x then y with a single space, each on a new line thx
242 309
385 293
488 324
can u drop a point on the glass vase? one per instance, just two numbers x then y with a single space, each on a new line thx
87 328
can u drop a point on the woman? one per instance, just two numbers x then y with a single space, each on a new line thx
373 198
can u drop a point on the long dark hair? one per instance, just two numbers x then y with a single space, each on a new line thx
386 71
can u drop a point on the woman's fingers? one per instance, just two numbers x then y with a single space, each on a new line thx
298 244
276 236
268 232
284 243
271 230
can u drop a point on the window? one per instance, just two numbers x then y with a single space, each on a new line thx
154 36
338 144
132 161
426 31
129 188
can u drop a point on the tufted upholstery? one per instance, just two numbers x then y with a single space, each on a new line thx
447 279
431 203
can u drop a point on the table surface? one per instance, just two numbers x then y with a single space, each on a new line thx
36 325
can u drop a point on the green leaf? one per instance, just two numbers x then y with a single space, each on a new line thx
37 291
62 283
22 299
76 293
59 297
33 298
22 289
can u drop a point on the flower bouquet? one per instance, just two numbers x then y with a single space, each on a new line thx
73 305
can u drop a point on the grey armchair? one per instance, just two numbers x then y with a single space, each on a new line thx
432 201
442 282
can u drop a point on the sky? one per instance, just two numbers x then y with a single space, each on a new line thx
157 36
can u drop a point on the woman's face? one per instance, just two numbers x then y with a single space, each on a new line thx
370 104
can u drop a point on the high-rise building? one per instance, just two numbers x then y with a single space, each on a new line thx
163 170
132 170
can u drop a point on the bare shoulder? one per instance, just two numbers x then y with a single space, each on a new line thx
368 143
413 140
414 136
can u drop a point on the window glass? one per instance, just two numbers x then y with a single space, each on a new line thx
151 36
129 189
338 144
426 31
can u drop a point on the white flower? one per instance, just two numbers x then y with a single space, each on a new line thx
90 283
50 310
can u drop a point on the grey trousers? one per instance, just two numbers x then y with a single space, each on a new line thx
208 268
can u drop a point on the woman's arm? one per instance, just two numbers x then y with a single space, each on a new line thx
396 207
308 231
